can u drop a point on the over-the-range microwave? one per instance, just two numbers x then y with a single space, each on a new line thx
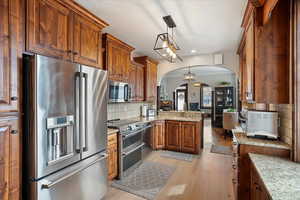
119 92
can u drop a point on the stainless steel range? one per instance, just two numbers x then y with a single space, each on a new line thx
134 143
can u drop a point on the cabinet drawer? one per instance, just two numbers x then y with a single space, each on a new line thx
112 139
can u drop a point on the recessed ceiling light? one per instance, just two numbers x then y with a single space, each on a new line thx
193 51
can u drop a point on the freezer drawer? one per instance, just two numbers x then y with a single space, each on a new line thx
86 180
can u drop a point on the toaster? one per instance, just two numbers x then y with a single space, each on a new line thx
262 124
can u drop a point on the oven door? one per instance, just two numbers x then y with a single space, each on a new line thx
118 92
131 159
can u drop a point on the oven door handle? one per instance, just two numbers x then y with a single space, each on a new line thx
132 134
129 152
51 184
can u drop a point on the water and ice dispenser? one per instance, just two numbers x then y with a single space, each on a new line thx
60 138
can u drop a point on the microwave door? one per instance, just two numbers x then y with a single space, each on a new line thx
94 111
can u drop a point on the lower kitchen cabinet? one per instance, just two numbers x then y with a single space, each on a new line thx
112 160
158 135
241 166
10 172
173 135
183 136
258 190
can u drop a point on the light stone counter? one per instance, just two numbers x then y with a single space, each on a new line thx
280 176
242 138
112 131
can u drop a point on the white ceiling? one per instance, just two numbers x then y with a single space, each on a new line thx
199 71
207 26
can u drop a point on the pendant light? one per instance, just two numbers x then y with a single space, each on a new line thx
165 44
189 76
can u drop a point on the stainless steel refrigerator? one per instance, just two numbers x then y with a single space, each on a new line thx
65 138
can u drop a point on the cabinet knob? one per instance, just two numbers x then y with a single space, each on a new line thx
14 98
13 132
69 51
75 53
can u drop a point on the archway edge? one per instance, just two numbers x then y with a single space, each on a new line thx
230 62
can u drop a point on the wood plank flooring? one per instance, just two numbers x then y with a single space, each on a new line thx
206 178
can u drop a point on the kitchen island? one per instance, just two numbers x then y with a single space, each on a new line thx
176 131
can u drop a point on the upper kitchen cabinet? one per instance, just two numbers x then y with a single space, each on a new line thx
150 74
264 54
10 53
116 58
139 88
63 29
49 25
136 81
87 42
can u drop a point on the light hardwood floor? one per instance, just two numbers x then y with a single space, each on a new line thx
206 178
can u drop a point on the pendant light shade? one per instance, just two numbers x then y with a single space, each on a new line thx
165 44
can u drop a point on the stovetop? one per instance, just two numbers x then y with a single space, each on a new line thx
125 126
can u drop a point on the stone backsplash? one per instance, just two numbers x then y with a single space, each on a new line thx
124 110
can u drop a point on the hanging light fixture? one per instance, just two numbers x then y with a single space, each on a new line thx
165 44
197 84
189 76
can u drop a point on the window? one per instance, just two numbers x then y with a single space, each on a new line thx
206 97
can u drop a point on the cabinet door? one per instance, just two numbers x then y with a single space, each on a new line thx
87 42
4 54
159 137
48 28
249 50
112 161
113 60
140 84
132 80
10 176
125 64
173 135
190 137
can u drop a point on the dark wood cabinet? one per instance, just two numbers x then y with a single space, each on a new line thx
49 28
258 190
132 80
139 90
241 165
112 160
190 137
158 135
264 54
150 74
10 176
116 58
10 54
87 42
183 136
59 29
173 135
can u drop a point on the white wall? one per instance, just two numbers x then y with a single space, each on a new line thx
230 61
169 84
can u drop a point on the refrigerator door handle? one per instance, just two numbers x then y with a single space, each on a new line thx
77 110
84 111
51 184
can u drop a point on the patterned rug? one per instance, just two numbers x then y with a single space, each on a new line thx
226 150
177 155
147 180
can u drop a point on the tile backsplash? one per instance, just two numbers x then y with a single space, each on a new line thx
285 112
124 110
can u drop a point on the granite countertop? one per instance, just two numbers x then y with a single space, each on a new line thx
112 131
281 177
242 138
175 118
